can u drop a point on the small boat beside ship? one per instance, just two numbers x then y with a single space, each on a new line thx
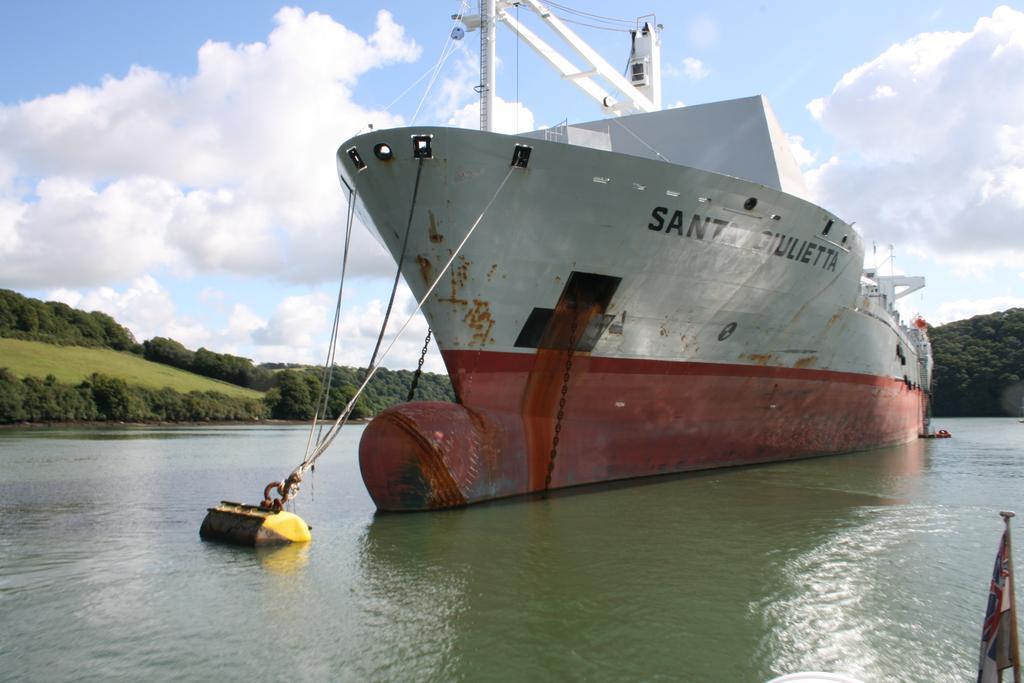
643 294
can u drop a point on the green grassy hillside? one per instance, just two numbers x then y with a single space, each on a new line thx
72 364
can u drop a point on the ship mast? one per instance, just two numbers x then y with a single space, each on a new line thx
641 89
486 87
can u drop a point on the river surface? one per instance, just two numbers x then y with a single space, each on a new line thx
874 564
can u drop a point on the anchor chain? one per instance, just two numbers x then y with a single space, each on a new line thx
419 367
561 403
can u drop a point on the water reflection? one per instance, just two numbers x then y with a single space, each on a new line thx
134 432
643 577
284 560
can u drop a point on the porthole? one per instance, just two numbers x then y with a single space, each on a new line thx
383 151
750 203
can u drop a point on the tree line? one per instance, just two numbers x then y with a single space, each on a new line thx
292 392
223 366
979 364
105 398
54 322
296 396
296 392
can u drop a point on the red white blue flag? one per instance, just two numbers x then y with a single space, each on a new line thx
997 632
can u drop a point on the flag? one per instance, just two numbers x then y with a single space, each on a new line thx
996 632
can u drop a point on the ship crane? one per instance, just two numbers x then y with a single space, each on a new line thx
642 90
886 287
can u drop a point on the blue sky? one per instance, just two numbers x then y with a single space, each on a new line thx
198 186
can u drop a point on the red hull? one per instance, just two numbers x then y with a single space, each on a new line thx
623 418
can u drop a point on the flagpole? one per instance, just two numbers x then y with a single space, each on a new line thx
1013 599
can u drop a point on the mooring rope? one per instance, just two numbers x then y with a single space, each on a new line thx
445 54
289 487
317 452
328 373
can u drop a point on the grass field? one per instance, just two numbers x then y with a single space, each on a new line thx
72 364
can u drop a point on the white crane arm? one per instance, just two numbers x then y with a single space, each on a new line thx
566 68
603 68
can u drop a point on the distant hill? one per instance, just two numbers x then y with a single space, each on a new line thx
979 365
58 363
73 364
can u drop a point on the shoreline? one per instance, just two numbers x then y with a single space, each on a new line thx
97 424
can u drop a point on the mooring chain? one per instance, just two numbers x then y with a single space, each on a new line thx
419 367
561 403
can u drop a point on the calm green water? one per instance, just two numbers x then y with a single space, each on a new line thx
874 564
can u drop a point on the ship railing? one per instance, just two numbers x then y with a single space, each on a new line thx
558 132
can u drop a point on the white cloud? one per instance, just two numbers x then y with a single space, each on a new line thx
67 296
801 154
296 321
299 331
509 117
816 107
230 169
960 309
883 91
462 74
11 214
363 326
145 307
242 323
695 69
934 133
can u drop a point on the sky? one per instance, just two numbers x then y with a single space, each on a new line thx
172 164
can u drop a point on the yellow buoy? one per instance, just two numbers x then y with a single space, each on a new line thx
253 525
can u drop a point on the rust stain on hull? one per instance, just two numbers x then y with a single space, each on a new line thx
426 269
432 232
806 362
757 358
459 275
444 492
539 405
479 319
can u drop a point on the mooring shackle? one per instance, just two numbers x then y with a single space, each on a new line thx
285 489
290 486
268 502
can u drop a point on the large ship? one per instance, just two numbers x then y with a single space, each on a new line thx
643 294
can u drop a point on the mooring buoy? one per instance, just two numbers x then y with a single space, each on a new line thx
253 525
